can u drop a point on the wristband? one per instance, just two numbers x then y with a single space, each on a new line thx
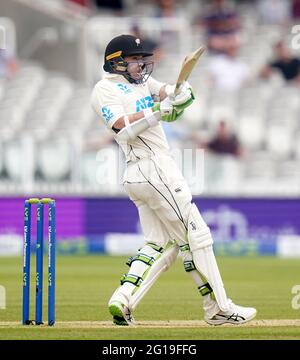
150 117
127 125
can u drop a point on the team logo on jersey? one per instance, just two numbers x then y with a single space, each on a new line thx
107 113
144 103
124 88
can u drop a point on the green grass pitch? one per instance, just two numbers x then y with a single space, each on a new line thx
173 306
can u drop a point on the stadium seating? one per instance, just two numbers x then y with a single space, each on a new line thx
47 124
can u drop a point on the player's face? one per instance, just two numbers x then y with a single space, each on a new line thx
136 66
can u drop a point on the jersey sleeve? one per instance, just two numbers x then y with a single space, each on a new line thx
154 86
107 104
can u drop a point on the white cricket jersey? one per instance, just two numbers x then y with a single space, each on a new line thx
114 97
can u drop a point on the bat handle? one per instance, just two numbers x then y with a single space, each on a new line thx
177 89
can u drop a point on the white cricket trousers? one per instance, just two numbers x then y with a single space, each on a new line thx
162 197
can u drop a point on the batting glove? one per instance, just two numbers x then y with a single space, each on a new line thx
183 99
167 112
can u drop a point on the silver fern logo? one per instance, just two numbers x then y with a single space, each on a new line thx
107 113
138 42
124 88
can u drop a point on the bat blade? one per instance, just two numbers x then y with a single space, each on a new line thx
187 67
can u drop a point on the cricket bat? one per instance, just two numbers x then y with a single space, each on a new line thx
187 67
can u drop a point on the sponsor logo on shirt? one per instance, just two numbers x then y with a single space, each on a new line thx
124 88
107 113
144 103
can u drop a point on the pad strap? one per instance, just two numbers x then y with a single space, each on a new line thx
189 265
185 247
131 278
148 260
205 289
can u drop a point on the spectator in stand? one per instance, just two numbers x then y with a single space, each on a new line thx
225 142
274 11
222 24
284 62
228 72
296 9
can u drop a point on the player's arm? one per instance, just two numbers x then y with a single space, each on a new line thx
109 107
129 119
128 127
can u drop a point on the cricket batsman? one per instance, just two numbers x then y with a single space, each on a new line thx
132 105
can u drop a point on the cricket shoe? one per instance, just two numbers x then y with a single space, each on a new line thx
121 314
235 315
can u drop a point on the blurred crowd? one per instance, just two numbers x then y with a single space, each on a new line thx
222 25
227 35
219 17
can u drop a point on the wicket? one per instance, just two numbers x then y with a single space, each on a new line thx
39 261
